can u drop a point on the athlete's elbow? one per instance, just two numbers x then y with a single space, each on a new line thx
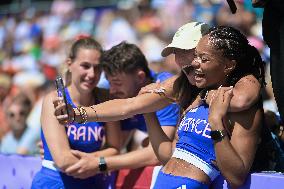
62 162
236 181
154 160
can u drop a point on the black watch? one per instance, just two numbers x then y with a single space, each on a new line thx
102 165
218 135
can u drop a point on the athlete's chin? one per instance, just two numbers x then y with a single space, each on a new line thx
191 80
88 87
201 85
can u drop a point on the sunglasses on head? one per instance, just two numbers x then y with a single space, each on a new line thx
187 69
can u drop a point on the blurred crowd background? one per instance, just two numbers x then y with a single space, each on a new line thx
35 37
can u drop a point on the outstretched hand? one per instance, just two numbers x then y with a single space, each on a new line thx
60 111
87 166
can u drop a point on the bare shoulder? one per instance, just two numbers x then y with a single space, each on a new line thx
50 96
247 120
248 80
101 94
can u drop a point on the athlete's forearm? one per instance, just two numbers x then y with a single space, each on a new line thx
132 160
106 152
119 109
225 155
161 143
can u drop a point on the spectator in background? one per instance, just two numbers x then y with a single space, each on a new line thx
206 11
5 87
280 132
18 109
275 148
32 133
242 19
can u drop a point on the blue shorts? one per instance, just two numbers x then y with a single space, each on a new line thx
49 179
167 181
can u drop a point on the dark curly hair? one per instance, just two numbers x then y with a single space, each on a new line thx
235 46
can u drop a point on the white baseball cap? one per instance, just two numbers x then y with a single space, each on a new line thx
186 37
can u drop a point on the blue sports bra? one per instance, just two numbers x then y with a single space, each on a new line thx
195 144
86 137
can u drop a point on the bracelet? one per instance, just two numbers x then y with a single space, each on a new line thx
162 92
83 114
96 114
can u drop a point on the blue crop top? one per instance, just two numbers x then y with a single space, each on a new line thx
86 137
195 144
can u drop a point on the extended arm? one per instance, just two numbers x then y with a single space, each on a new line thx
117 109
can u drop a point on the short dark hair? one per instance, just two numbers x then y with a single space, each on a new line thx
124 57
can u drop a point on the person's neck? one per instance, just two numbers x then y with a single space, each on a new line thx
79 98
148 81
18 133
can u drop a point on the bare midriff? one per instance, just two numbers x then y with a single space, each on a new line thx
182 168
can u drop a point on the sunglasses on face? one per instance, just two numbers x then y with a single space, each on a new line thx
187 69
13 114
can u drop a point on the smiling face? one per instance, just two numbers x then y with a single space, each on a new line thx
85 69
124 85
183 59
210 66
